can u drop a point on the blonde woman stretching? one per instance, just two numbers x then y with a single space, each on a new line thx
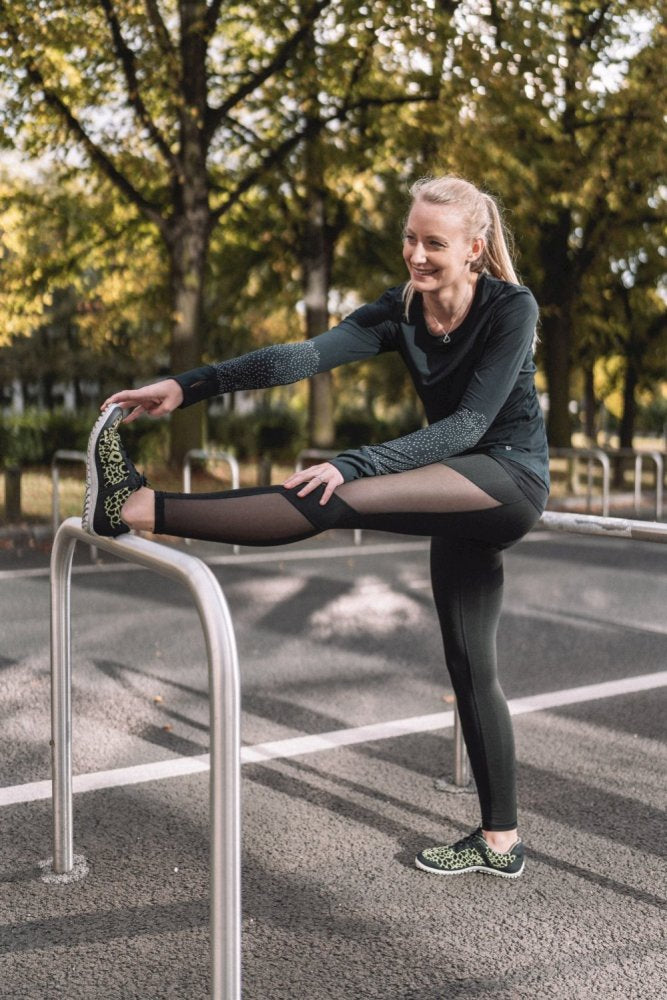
475 479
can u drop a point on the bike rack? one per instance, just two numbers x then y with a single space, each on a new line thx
212 455
658 460
224 701
319 454
63 455
580 524
592 455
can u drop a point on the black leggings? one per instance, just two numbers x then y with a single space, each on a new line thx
473 509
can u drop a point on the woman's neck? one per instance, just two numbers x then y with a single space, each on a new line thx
450 304
445 313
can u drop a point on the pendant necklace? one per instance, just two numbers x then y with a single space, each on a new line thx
436 327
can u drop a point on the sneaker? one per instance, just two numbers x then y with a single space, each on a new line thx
472 854
110 477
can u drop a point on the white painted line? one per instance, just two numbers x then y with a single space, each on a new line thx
299 745
244 558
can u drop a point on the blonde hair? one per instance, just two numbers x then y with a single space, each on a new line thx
481 218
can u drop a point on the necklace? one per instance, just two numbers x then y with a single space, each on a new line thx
437 328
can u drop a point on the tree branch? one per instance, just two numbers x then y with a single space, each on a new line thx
212 15
65 113
217 115
128 63
160 28
312 128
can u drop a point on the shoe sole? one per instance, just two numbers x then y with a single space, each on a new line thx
92 481
466 871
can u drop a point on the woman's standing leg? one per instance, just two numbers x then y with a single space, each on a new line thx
468 589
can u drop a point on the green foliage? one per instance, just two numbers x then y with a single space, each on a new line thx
246 116
277 432
652 417
33 437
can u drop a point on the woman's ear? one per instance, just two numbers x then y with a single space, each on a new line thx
476 249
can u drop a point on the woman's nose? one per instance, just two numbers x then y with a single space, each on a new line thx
418 253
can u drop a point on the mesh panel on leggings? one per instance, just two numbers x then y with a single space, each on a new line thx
243 517
428 501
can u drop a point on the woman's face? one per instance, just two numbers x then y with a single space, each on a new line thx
435 248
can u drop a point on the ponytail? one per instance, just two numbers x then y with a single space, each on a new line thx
481 217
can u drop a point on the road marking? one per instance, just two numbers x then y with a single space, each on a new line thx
299 745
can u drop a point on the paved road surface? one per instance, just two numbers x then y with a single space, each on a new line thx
333 908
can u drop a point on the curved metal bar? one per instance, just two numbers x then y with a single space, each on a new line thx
610 527
591 454
64 455
224 702
658 461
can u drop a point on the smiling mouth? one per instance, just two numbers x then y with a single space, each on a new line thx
422 274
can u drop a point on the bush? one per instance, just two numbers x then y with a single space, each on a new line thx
275 432
33 437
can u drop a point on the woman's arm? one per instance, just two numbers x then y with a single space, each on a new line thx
368 331
508 346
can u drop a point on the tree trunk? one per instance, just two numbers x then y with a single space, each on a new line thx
189 232
627 428
188 262
557 295
590 406
317 253
557 368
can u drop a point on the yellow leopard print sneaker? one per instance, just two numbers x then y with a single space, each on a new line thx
472 854
110 477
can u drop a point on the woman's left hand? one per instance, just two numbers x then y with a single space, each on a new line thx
326 475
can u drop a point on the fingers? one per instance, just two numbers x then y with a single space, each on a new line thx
153 400
314 477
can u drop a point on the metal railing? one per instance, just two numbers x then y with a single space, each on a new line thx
658 461
63 455
573 455
581 524
224 702
322 456
210 455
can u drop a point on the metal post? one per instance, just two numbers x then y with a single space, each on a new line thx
212 455
63 455
461 762
658 461
224 701
592 454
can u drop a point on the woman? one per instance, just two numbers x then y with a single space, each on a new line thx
475 479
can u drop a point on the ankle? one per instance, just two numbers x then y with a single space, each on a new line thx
501 841
138 511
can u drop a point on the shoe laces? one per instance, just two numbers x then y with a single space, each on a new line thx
472 840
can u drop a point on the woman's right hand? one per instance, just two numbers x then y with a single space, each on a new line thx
156 400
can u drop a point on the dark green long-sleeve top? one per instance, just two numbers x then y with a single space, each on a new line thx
478 390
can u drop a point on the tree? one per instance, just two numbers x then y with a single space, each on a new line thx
183 109
560 113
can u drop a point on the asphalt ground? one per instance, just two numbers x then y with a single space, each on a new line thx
330 639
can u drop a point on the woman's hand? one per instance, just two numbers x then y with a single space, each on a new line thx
155 400
315 476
